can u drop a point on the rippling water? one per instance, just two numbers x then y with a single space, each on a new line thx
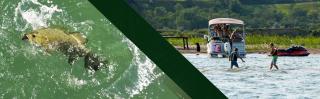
298 77
27 72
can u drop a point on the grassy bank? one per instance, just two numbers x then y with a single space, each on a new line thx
192 41
260 43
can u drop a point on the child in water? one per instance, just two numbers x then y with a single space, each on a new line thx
274 55
233 58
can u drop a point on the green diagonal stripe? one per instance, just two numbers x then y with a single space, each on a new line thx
149 41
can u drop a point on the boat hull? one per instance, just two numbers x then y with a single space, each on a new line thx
293 53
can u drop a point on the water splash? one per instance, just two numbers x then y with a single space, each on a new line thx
37 18
145 68
76 82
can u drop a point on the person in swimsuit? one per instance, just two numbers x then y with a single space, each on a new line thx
233 58
274 55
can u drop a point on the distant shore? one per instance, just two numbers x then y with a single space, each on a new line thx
258 43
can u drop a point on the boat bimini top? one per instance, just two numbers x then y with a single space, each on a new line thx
225 21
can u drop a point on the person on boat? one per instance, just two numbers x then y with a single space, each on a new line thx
211 46
232 37
274 55
219 30
226 29
234 57
214 31
227 48
211 30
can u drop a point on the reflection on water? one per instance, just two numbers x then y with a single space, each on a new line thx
298 77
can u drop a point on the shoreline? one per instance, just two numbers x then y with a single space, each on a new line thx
203 50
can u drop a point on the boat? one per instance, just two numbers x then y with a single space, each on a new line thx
225 34
293 51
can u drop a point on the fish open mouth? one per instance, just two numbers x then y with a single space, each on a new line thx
24 37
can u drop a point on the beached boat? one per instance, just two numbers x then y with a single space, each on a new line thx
293 51
224 35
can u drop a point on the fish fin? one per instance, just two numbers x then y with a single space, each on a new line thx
79 37
93 62
63 28
72 59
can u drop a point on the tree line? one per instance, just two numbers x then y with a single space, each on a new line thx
186 15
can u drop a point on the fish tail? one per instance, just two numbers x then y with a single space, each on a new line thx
93 61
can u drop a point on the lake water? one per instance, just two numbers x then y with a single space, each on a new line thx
298 77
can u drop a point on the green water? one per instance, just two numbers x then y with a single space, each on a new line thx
27 71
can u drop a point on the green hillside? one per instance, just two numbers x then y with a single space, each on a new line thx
308 6
186 15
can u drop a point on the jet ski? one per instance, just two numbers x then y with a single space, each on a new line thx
293 51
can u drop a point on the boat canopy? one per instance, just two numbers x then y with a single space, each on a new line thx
225 21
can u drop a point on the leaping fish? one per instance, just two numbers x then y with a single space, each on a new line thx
70 44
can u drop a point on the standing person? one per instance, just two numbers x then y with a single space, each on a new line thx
227 48
213 30
233 58
232 37
226 31
274 55
219 30
210 46
198 48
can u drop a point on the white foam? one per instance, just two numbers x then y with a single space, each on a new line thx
145 68
75 81
37 18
